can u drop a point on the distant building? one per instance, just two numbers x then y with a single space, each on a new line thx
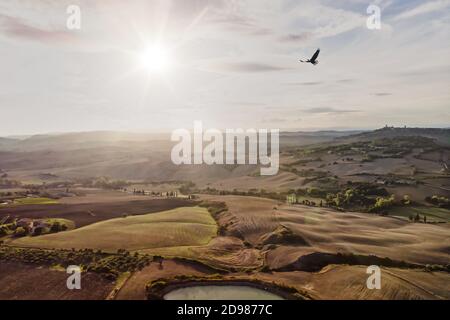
25 223
38 224
31 225
291 198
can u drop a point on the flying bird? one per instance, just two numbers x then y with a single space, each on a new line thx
313 59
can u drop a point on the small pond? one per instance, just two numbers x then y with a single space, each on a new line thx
212 292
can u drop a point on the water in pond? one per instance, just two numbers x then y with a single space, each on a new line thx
220 293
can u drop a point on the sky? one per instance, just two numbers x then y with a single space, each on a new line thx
227 63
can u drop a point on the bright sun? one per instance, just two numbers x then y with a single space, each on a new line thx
156 59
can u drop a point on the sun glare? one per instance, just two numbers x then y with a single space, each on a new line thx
156 59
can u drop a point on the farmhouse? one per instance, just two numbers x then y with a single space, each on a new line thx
32 225
25 223
38 225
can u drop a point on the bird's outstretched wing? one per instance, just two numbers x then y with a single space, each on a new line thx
316 54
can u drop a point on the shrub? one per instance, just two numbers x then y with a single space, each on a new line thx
441 202
382 204
20 232
406 200
3 231
38 231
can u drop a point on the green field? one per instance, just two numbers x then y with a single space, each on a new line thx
433 214
28 201
181 227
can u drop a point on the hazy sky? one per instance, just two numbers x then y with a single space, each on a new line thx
230 64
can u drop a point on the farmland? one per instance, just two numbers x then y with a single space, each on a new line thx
174 228
432 214
83 214
303 230
24 281
30 201
354 201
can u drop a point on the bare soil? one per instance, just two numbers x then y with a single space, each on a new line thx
27 282
87 213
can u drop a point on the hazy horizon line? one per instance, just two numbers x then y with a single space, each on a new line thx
168 131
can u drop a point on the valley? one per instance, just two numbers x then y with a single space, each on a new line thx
141 227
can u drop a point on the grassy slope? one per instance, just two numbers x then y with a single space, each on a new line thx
349 282
433 214
326 230
179 227
25 201
30 282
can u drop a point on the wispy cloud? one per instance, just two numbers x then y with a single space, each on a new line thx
298 37
276 120
306 83
423 71
327 21
345 80
228 17
423 9
328 110
16 28
247 67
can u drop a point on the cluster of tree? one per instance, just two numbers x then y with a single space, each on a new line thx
382 204
385 147
143 192
292 199
169 194
25 230
29 191
361 196
304 161
214 207
416 218
356 196
7 183
107 183
12 228
400 146
441 202
114 265
6 194
311 203
307 173
187 187
20 232
57 227
312 192
250 193
368 189
109 265
340 149
4 230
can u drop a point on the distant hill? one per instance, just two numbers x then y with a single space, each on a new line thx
140 156
98 139
302 138
79 140
7 142
95 139
441 136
